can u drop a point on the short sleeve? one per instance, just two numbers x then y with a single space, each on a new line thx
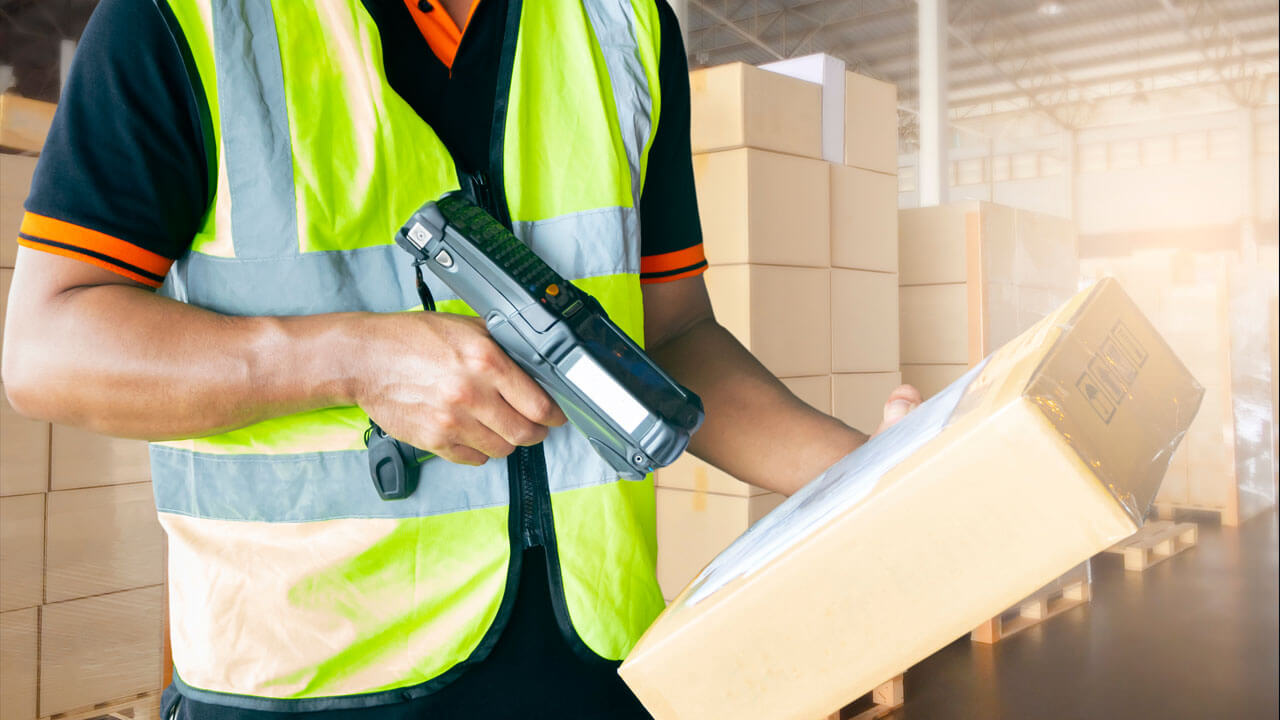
122 181
670 231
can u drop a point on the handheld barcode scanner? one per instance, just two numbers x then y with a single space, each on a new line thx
635 415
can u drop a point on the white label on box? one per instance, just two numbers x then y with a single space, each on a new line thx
835 491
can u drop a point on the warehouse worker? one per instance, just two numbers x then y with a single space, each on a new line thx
253 161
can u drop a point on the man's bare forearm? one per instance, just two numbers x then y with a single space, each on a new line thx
756 429
87 348
123 361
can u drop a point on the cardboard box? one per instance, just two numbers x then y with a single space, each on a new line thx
737 105
102 540
864 219
781 314
975 500
24 452
935 324
695 526
15 184
1215 310
691 473
931 244
24 123
828 73
763 207
858 399
21 551
870 124
6 281
815 391
864 321
84 459
18 633
931 379
976 274
696 475
99 648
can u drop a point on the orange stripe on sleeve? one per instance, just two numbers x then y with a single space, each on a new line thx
678 276
666 262
74 255
39 227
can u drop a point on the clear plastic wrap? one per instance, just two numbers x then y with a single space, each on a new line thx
1252 411
1046 453
1215 311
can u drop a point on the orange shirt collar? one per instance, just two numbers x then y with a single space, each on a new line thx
440 31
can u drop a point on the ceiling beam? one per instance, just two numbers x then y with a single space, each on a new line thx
1196 68
899 47
736 29
1206 30
1094 63
1263 27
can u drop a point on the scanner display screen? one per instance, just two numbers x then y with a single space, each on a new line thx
620 360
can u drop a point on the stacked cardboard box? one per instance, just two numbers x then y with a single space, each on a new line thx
974 275
1217 313
803 264
81 567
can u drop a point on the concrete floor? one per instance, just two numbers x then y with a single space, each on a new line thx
1192 637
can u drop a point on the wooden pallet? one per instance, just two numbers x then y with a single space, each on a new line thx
1155 542
1034 610
884 699
142 706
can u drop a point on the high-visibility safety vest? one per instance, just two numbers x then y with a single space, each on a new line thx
292 585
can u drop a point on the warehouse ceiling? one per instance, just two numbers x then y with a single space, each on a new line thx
1058 58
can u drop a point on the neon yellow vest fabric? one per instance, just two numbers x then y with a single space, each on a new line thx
292 585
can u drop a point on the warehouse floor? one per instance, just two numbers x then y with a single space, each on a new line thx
1192 637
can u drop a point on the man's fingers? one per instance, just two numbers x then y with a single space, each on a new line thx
906 392
486 441
902 400
463 455
528 398
498 415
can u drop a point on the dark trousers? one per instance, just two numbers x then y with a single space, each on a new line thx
531 673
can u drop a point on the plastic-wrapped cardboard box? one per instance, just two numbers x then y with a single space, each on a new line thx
1044 454
973 276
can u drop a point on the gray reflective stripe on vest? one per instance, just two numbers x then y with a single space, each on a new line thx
615 27
312 486
255 136
380 278
572 463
